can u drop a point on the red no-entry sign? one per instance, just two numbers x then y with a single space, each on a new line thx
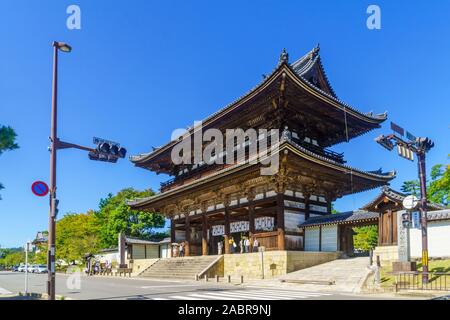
40 188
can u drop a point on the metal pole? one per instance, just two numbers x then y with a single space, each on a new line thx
26 268
423 211
53 139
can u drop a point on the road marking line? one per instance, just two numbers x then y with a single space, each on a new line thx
170 286
4 291
238 296
209 297
184 298
253 295
291 291
291 294
160 299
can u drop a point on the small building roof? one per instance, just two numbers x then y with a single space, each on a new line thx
131 240
388 194
350 217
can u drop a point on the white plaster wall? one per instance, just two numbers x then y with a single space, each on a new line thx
312 239
329 238
438 240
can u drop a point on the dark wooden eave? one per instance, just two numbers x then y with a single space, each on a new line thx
312 103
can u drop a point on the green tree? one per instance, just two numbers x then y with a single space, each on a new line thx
366 238
116 216
411 187
14 258
7 142
439 186
76 235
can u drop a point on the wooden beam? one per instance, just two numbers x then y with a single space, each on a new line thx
280 221
227 230
188 237
204 235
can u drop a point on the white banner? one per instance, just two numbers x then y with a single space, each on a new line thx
239 226
218 230
264 223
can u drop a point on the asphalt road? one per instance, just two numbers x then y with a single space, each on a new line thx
106 288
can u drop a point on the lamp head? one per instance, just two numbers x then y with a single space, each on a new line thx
64 47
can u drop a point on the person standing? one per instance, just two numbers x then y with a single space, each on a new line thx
232 245
241 245
219 247
182 249
255 245
247 245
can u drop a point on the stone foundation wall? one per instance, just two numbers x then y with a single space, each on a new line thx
273 263
388 254
139 265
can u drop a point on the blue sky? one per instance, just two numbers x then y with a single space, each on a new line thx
140 69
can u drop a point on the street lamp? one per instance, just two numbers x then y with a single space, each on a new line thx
98 154
406 149
57 46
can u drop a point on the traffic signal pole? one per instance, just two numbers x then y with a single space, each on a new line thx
53 150
106 151
420 147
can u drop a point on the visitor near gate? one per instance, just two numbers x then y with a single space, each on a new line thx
219 247
247 245
255 245
182 249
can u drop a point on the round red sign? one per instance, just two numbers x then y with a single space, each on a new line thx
40 189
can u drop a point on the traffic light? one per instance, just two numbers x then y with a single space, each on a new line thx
107 151
55 203
406 219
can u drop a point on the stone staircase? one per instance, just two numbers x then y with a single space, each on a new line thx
179 268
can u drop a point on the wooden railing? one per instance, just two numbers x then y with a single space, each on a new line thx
268 240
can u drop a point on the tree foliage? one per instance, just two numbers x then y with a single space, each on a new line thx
7 139
411 187
76 235
439 186
116 216
366 238
7 142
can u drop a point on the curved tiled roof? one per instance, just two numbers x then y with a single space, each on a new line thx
369 174
299 68
341 218
397 196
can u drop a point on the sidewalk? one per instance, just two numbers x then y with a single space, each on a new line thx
343 275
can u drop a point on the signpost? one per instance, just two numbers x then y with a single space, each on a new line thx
410 202
418 146
40 189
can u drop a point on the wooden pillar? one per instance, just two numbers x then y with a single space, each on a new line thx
204 235
320 238
391 228
188 236
380 229
280 221
172 231
307 201
251 218
227 231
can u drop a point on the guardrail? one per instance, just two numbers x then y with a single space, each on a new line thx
438 281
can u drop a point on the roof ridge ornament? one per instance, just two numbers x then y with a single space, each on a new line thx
284 57
315 51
